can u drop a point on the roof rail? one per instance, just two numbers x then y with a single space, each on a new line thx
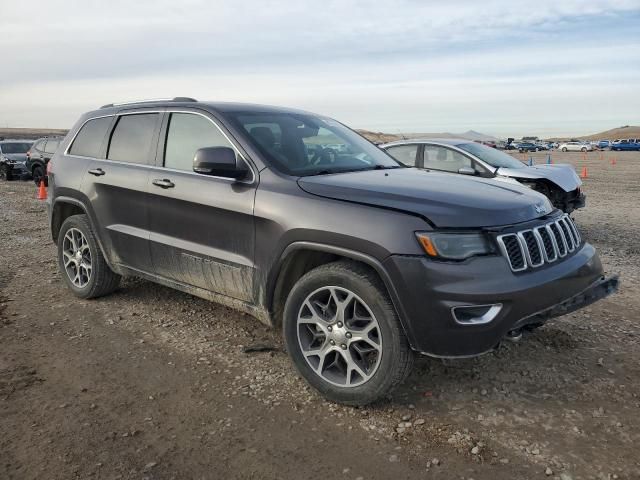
153 100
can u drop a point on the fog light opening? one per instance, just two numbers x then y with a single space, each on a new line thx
476 314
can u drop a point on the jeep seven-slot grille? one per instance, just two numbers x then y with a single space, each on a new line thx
546 243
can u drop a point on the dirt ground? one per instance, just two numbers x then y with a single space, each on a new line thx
152 383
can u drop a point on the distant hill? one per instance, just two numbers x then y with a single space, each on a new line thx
379 137
628 131
30 133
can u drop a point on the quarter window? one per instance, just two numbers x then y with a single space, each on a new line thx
186 134
132 137
405 154
51 146
89 139
441 158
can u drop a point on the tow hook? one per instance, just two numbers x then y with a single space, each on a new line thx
514 335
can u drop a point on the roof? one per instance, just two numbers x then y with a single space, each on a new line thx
186 102
441 141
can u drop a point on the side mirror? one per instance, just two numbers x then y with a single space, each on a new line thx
219 162
467 171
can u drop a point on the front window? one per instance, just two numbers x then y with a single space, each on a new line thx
14 147
442 158
186 134
493 157
300 144
405 154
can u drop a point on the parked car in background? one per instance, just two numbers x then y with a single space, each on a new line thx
358 260
603 144
626 145
542 145
527 147
575 147
39 155
558 182
13 156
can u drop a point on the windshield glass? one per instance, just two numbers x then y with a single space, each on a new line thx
14 147
301 145
493 157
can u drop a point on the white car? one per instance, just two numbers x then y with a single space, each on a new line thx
575 147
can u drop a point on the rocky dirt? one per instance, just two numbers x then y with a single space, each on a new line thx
152 383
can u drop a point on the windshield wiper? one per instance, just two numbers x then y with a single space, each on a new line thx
386 167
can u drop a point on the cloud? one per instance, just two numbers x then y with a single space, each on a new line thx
403 64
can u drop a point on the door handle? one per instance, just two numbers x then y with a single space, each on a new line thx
163 183
98 172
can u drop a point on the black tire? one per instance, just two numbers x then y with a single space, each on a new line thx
396 358
583 149
38 174
5 173
103 280
537 149
564 149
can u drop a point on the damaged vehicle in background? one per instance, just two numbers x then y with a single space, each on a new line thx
558 182
13 157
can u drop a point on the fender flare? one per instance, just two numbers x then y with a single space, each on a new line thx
369 260
82 206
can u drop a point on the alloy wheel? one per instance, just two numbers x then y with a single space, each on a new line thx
77 257
339 336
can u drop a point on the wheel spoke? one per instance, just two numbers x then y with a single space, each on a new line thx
339 336
76 257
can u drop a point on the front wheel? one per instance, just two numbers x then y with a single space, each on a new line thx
5 172
564 149
343 334
537 149
82 264
583 149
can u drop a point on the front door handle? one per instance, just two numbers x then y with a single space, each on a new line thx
163 183
98 172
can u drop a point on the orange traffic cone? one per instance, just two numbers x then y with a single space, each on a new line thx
584 172
42 191
613 160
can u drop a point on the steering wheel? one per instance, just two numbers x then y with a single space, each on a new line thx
324 156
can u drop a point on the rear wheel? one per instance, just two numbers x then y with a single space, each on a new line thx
343 334
583 149
564 149
83 267
38 174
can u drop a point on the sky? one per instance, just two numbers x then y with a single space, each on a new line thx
501 67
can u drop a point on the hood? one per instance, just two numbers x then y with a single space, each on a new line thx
561 174
16 157
446 200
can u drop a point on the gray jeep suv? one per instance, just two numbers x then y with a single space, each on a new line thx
299 221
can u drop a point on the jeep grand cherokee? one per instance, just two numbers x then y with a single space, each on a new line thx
299 221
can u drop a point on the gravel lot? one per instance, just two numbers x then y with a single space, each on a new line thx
153 383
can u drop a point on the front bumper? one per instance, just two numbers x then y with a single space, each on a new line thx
428 292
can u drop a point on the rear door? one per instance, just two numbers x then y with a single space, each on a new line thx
117 187
202 227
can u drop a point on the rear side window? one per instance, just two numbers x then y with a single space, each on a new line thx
404 154
51 146
89 139
131 138
186 134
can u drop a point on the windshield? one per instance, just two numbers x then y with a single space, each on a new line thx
14 147
301 145
493 157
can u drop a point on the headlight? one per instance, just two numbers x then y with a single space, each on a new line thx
454 246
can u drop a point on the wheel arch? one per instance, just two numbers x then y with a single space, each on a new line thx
300 257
